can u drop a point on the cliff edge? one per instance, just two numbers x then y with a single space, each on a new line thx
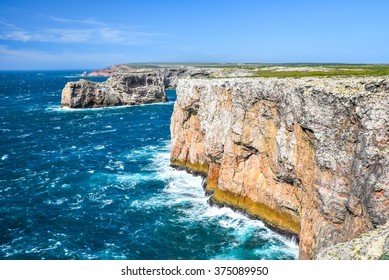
307 155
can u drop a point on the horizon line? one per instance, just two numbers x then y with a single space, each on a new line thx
197 63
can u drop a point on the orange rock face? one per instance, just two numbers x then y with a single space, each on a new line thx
308 156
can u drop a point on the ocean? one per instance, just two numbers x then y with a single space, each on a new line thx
96 184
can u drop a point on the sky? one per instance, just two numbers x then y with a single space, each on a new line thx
95 34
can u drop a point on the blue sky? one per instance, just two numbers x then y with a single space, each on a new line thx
94 34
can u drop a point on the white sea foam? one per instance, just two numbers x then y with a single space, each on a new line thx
106 202
4 157
183 189
58 108
115 165
183 192
133 178
59 201
100 131
99 147
24 135
73 76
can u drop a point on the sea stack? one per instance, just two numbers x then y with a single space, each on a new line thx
120 89
306 155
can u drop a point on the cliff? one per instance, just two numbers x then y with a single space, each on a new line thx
100 73
170 73
173 74
373 245
120 89
308 155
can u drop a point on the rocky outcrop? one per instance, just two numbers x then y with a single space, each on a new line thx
172 75
308 156
373 245
120 89
100 73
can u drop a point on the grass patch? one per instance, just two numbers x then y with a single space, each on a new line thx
304 70
326 71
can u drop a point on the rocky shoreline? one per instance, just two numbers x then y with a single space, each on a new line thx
126 86
306 155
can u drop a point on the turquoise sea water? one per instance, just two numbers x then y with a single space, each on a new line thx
96 184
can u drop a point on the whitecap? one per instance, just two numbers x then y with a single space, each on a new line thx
23 135
107 202
99 147
4 157
59 201
6 189
100 131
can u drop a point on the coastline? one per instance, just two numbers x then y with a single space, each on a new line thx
267 153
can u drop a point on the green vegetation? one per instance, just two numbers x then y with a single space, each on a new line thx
325 71
300 70
289 70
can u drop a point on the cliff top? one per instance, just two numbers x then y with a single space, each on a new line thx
304 70
222 70
337 85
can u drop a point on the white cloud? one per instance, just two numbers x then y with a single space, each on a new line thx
11 32
9 55
78 31
78 21
112 35
33 59
68 36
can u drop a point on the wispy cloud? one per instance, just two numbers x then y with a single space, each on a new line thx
18 59
9 31
86 31
78 21
11 58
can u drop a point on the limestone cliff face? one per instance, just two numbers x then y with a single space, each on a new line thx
120 89
308 155
173 74
373 245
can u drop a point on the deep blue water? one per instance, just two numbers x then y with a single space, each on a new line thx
96 184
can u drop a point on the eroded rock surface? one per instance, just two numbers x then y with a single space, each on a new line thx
308 155
373 245
120 89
